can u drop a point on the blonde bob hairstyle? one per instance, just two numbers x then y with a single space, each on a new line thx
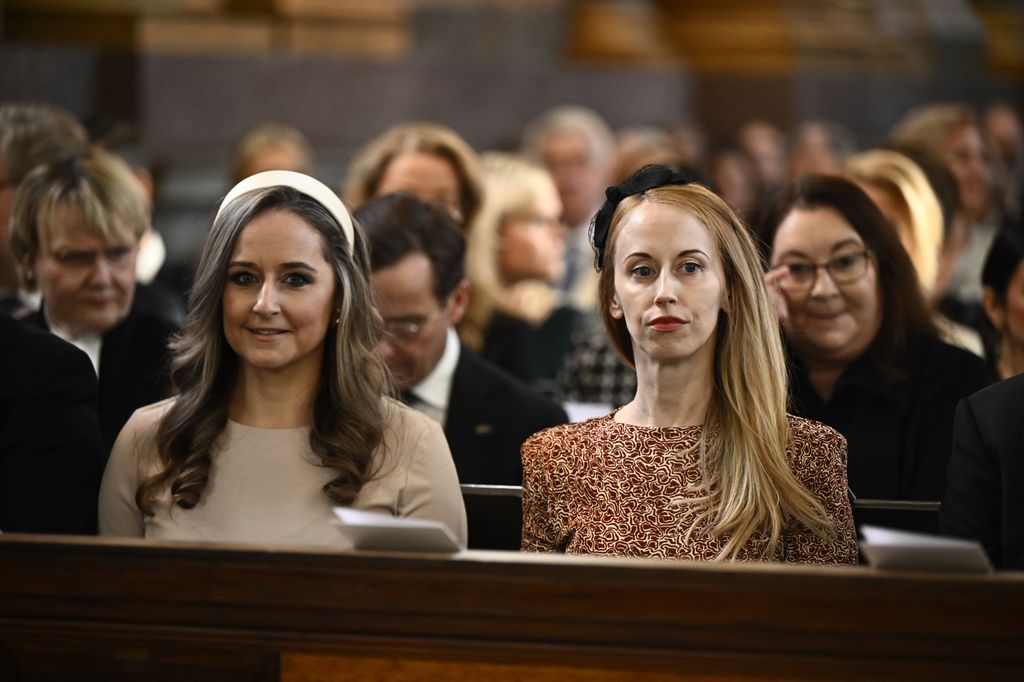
97 185
904 180
348 411
368 167
750 487
511 185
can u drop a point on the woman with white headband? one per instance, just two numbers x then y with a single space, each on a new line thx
278 412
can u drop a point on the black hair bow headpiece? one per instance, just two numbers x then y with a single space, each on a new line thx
644 179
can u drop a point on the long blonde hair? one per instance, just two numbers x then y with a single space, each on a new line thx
511 184
750 487
897 174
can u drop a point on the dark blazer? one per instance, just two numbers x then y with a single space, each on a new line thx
50 457
134 368
985 490
490 415
898 438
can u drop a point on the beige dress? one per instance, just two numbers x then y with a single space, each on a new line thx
602 487
265 485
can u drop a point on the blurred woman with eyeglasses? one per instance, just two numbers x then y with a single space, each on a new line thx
865 357
75 230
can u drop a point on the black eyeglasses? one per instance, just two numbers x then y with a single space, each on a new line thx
843 269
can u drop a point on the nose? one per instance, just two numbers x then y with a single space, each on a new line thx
101 275
266 301
824 285
666 292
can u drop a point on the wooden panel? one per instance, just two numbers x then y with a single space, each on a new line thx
209 36
500 613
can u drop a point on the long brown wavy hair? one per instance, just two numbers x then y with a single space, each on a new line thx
348 413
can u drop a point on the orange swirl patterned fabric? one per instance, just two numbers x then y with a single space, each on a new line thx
601 487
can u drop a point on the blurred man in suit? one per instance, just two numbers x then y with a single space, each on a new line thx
417 255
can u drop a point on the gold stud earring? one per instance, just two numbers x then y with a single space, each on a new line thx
337 317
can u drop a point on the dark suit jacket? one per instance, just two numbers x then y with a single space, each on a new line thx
985 490
490 415
134 366
50 458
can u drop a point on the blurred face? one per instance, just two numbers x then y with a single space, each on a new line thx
279 295
1008 317
415 322
87 283
8 274
965 155
532 242
829 322
277 157
580 178
427 177
669 285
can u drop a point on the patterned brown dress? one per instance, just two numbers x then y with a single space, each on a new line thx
601 487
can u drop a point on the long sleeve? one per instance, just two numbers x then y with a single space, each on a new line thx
972 503
540 532
118 514
431 488
820 464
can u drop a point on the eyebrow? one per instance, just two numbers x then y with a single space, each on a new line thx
686 252
289 265
835 247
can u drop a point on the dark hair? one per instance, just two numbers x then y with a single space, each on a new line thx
1004 256
398 225
348 416
904 312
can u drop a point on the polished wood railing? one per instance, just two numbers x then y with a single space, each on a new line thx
81 608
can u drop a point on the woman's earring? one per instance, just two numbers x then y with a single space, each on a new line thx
337 317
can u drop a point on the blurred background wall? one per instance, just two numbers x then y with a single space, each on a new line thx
193 75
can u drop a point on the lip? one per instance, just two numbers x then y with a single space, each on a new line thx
665 323
266 333
828 317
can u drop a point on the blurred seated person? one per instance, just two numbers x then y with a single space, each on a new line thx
428 161
639 146
864 354
1005 130
272 146
951 132
902 193
986 473
278 412
515 251
819 147
76 226
766 145
420 289
1003 279
704 463
737 181
30 135
160 288
577 147
50 460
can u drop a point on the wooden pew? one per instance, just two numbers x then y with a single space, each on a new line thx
92 609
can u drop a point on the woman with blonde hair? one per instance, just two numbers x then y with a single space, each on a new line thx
76 226
704 463
278 412
426 160
901 191
515 251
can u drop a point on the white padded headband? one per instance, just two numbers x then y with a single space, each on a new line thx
311 187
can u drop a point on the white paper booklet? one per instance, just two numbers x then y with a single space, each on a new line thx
902 550
380 532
